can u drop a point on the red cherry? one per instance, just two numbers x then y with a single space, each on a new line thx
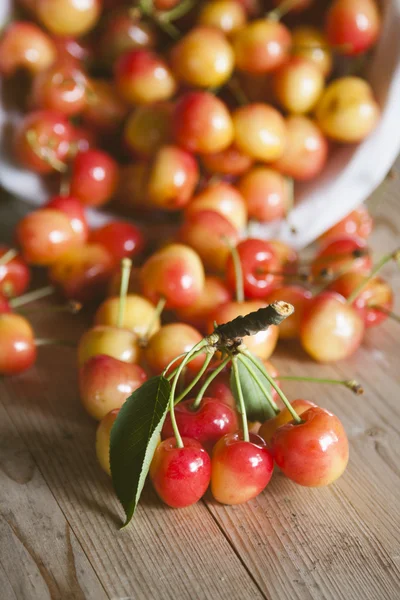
269 427
25 45
240 470
64 87
358 223
314 452
353 26
120 239
343 253
73 208
17 347
94 177
83 139
14 275
215 293
230 161
261 46
180 476
207 424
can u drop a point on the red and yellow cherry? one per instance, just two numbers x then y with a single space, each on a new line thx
298 85
358 223
139 314
300 298
345 253
105 111
230 161
311 44
269 427
45 235
261 46
74 210
82 273
121 239
94 177
106 382
24 45
172 178
215 293
227 15
121 344
103 439
69 47
42 141
68 17
203 58
207 424
259 131
223 199
240 470
170 341
331 329
260 266
306 149
17 347
210 234
143 77
347 111
263 343
148 128
64 87
314 452
180 476
15 275
353 27
266 193
202 123
175 273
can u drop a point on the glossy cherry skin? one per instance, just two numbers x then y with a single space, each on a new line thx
180 476
63 87
103 439
342 254
207 424
240 470
52 135
17 347
331 330
123 32
260 266
353 26
106 382
94 177
15 275
4 304
215 293
83 139
269 427
313 453
68 17
121 344
74 209
298 85
148 128
261 46
175 273
227 15
119 238
266 193
69 47
223 199
230 161
25 45
138 314
299 297
358 223
311 44
170 341
260 131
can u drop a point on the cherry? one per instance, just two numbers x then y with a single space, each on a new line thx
104 111
119 238
261 46
170 341
207 424
298 85
14 273
202 123
345 253
266 193
139 314
269 427
223 199
68 17
300 298
103 440
287 256
172 178
83 139
143 77
148 128
180 476
358 223
260 131
42 141
352 26
82 273
121 344
306 150
227 15
203 58
311 44
25 45
314 452
347 110
4 305
230 161
331 330
17 347
105 383
94 177
260 266
240 470
215 293
74 210
69 47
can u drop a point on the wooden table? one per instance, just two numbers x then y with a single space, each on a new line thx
59 536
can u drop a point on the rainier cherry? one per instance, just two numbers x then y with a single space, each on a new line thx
17 347
223 199
298 85
94 177
260 131
314 452
227 15
25 45
311 44
266 193
139 314
357 223
269 427
119 238
261 46
353 26
215 293
14 273
170 341
230 161
74 210
121 344
345 253
63 87
68 17
105 112
103 439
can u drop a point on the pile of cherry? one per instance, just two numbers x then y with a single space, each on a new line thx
210 146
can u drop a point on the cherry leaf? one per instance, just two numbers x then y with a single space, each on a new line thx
257 406
134 438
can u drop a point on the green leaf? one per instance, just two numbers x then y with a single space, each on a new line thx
257 406
134 438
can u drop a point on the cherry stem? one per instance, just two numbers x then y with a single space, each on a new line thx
283 9
173 373
207 382
237 90
146 8
282 396
178 11
46 154
71 307
395 255
54 342
157 313
126 266
264 390
351 384
32 296
237 266
8 256
242 406
385 311
197 378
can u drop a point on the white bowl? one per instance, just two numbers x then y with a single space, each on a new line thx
350 176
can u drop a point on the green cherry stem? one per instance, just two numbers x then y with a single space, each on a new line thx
395 255
197 378
237 265
55 342
242 407
283 9
385 311
46 154
179 11
276 387
72 307
126 266
8 256
262 387
351 384
179 441
157 313
32 296
146 8
207 382
169 365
